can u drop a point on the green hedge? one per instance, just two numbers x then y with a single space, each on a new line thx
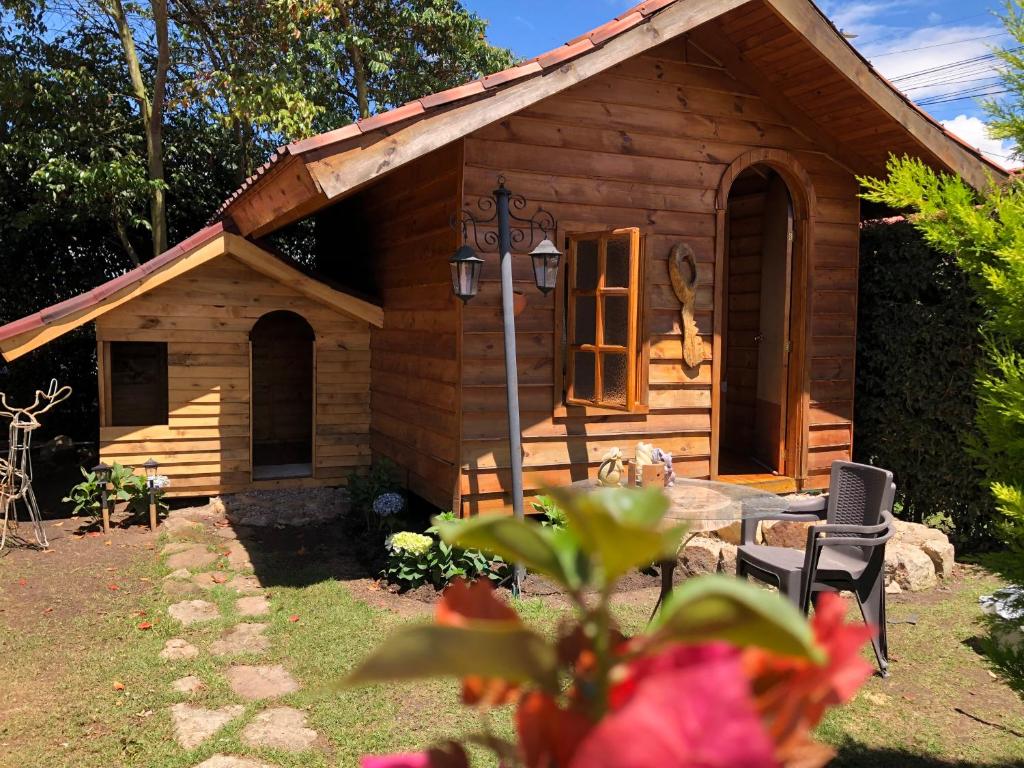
918 349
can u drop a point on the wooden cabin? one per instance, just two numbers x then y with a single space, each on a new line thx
734 129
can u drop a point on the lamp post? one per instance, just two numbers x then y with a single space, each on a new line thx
102 471
151 465
466 267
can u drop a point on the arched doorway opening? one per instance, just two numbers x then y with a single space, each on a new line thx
282 347
757 332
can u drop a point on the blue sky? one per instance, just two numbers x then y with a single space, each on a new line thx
900 37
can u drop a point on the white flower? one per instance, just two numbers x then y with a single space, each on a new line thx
160 481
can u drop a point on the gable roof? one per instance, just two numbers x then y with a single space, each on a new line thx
304 176
28 333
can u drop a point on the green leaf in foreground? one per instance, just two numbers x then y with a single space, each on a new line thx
724 608
494 649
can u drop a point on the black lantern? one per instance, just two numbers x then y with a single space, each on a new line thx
102 472
545 265
151 466
465 266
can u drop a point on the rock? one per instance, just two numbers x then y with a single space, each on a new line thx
193 725
286 507
206 514
177 649
892 588
174 547
253 606
941 553
254 683
193 611
231 761
177 588
244 638
701 555
177 526
189 684
280 728
731 533
225 532
238 557
909 567
181 573
196 556
915 533
209 579
783 533
245 584
727 564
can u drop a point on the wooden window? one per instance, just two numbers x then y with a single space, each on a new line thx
602 321
136 379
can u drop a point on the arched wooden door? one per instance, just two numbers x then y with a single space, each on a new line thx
282 353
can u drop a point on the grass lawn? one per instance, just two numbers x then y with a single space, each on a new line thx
69 637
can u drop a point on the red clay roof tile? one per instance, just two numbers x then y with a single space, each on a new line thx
464 91
613 28
413 109
564 53
507 75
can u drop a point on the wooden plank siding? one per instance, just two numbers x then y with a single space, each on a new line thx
405 219
205 317
644 144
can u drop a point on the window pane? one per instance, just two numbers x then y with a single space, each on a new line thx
583 386
616 320
617 264
586 320
614 374
586 265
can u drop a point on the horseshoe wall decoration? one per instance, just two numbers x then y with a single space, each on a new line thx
685 289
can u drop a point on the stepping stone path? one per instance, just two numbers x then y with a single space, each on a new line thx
245 585
196 556
193 571
252 606
177 649
254 683
280 728
189 684
244 638
230 761
193 611
193 725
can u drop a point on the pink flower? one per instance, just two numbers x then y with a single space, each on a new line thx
686 707
450 755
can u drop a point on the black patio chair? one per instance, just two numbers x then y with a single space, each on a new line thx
846 552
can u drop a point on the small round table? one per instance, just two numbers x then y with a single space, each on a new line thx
704 506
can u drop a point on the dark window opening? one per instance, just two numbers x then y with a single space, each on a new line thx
138 383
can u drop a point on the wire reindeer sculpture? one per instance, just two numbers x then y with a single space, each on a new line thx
16 469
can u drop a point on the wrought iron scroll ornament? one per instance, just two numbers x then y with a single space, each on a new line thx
522 229
16 469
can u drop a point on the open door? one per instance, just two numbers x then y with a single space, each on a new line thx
773 343
756 334
282 346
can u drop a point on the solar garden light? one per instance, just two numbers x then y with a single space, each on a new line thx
151 465
466 267
102 472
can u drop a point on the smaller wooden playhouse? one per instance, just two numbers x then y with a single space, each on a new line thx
230 366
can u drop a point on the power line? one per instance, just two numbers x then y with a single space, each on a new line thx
941 83
953 65
952 97
938 45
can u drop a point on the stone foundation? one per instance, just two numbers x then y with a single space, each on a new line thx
267 509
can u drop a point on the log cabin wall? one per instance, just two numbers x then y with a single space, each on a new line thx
414 379
646 145
204 317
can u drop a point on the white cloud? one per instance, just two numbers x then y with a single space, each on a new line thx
974 132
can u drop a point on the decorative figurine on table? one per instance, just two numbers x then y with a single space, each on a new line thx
643 469
665 458
643 455
610 473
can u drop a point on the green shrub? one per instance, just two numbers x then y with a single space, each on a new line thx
553 516
125 486
415 559
918 350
